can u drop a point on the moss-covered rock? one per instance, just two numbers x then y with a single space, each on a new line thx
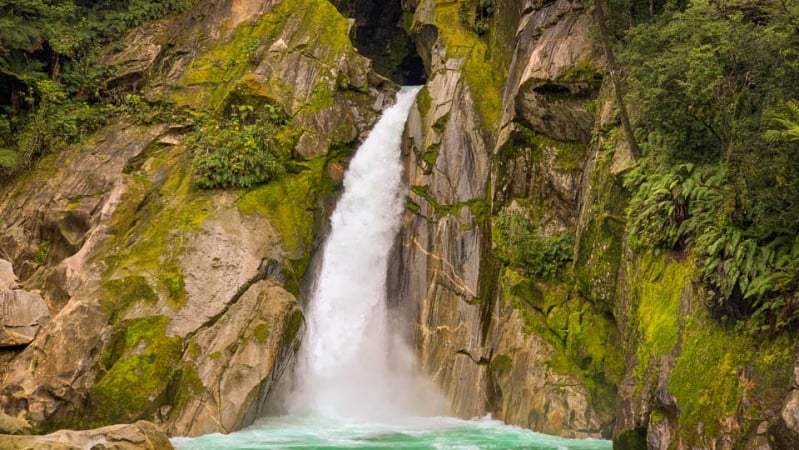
296 55
695 380
135 371
480 61
582 353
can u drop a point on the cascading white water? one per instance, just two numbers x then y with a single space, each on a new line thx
355 384
349 365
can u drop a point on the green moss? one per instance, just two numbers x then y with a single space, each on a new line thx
599 243
430 156
171 279
584 338
441 123
718 372
135 384
150 228
215 355
500 365
289 204
705 380
479 207
569 155
483 60
121 293
212 77
722 373
410 205
658 286
423 101
185 385
260 332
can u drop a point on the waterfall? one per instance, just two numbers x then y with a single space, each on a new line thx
355 384
349 364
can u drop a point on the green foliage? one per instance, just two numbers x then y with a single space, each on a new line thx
35 33
50 74
668 208
42 252
521 245
787 121
424 101
58 121
239 152
121 294
713 85
476 14
743 275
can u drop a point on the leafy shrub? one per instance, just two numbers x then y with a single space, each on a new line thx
743 275
711 84
669 208
236 154
475 15
57 121
518 243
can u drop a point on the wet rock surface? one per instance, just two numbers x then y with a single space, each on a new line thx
136 436
169 303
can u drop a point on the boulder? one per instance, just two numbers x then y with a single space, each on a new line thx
23 313
141 435
239 360
8 280
135 63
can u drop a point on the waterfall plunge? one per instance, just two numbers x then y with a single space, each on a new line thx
351 364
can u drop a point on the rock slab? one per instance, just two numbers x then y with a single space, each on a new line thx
22 313
141 435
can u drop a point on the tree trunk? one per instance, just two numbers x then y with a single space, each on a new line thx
615 77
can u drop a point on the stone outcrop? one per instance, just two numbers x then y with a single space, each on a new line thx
172 304
785 429
239 361
8 279
295 54
23 314
136 436
470 148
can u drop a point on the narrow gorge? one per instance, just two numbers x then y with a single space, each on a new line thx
162 227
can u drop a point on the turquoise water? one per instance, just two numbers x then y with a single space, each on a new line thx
292 432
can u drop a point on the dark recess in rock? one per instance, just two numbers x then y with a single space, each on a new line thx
379 36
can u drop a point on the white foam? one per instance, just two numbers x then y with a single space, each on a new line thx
349 364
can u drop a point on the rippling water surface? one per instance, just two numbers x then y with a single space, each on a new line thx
293 432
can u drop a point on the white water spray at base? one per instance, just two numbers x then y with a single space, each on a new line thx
349 364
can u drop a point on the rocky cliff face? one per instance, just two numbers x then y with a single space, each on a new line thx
489 136
516 120
169 303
